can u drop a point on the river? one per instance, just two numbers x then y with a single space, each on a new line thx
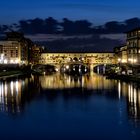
57 106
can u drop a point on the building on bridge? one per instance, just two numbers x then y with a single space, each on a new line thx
91 59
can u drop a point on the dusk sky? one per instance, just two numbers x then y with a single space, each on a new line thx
97 11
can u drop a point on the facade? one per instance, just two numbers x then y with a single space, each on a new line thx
10 52
87 58
133 46
34 54
13 52
24 45
121 54
16 49
129 53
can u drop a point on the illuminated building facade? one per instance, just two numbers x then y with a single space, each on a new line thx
24 45
133 46
129 53
121 55
87 58
16 49
10 52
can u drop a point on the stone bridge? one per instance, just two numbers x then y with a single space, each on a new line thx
89 59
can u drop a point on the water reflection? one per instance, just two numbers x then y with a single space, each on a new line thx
91 81
131 92
10 96
133 101
15 94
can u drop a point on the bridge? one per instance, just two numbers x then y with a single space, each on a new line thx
89 59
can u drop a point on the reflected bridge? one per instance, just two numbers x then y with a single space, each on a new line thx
75 68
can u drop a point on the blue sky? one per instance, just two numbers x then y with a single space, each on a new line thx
96 11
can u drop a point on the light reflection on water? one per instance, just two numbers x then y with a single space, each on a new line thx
66 107
15 93
91 81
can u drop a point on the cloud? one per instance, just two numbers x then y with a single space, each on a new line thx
78 35
92 43
70 27
121 36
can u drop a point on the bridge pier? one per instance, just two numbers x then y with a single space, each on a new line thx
100 68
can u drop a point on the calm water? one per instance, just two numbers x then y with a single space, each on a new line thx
63 107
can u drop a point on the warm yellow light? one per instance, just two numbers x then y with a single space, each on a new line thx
5 61
119 59
124 60
16 61
56 69
135 60
11 61
67 67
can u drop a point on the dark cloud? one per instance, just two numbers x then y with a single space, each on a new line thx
67 26
92 44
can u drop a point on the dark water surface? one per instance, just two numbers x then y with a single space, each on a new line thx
57 107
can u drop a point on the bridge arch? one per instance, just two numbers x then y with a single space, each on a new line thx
75 59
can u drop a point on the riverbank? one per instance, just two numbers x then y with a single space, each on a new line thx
126 78
13 74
